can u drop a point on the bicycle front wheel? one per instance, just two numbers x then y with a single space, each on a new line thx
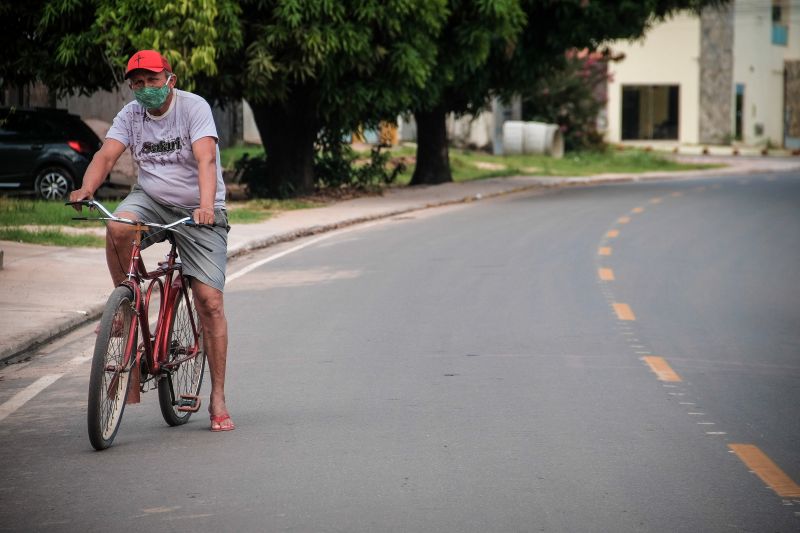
113 359
186 359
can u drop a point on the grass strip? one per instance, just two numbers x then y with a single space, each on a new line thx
467 165
21 212
52 237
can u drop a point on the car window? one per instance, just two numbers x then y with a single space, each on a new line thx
44 126
15 124
77 128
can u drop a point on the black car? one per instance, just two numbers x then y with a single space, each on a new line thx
44 150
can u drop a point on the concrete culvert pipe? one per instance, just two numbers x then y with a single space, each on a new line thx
542 139
512 137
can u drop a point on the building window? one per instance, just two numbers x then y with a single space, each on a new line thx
739 133
650 112
780 22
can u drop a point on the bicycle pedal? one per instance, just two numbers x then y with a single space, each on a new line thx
189 403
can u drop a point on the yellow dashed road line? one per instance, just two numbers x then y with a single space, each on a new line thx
637 210
624 220
606 274
613 233
604 250
623 311
661 368
767 470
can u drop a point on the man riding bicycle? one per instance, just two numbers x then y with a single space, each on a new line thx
173 139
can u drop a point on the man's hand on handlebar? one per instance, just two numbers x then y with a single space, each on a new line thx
78 195
203 215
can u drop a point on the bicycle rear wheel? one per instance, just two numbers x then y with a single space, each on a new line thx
111 368
186 360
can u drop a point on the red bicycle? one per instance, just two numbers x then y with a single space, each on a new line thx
170 356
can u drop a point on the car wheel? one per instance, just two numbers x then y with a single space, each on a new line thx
53 183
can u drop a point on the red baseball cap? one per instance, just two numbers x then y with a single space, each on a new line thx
148 60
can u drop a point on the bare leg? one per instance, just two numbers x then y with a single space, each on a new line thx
119 242
210 307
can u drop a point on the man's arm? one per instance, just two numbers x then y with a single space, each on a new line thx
102 163
205 152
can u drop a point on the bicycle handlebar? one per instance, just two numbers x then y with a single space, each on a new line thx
186 221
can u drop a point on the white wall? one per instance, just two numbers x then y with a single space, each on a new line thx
668 55
758 64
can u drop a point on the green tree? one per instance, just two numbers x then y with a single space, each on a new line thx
305 66
475 33
466 77
80 46
326 66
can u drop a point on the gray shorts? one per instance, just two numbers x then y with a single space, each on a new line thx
207 267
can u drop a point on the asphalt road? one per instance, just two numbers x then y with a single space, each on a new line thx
487 367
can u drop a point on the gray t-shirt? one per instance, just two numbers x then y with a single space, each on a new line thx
162 148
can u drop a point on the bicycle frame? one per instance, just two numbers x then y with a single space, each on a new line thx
154 346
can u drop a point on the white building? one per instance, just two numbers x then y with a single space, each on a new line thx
730 74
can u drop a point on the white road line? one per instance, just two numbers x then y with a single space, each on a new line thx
22 397
250 268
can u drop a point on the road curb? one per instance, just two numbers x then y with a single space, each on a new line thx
20 350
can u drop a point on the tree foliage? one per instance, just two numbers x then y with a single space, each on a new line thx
304 65
321 65
80 46
329 65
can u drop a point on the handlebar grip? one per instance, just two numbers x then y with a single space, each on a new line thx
80 202
193 224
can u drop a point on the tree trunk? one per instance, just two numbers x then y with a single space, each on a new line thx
433 160
288 131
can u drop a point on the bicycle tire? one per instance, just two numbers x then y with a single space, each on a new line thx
187 377
109 381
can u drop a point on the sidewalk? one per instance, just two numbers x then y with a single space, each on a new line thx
47 290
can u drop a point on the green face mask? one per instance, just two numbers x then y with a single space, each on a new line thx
152 97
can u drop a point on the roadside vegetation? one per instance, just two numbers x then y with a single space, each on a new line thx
53 237
469 165
40 222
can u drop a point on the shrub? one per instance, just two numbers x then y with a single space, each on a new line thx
336 166
572 97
